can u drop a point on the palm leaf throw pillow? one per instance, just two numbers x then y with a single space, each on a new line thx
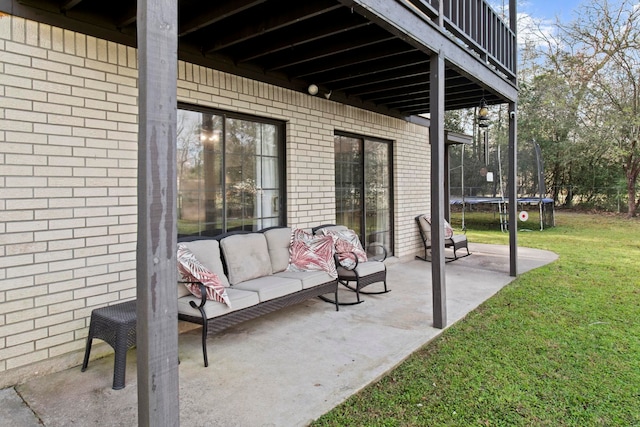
192 271
308 252
348 247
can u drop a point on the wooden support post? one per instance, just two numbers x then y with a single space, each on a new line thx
513 190
436 138
513 154
447 182
157 308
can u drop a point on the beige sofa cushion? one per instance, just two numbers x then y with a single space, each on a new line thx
278 241
239 299
309 279
270 287
247 256
208 253
183 291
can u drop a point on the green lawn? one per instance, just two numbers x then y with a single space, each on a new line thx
559 346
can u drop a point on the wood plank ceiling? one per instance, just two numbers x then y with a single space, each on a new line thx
289 43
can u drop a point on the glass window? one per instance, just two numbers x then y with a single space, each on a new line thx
229 173
363 188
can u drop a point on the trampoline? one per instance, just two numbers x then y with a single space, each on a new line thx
545 206
488 188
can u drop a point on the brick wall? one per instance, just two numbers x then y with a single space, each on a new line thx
68 150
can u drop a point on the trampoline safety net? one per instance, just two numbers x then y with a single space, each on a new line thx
478 181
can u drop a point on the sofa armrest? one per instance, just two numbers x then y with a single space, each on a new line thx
203 298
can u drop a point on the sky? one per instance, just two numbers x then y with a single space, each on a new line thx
537 18
549 9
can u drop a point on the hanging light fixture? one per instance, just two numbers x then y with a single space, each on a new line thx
483 114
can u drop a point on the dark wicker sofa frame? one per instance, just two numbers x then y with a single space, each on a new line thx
222 322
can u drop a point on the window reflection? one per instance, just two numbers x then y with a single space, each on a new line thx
228 173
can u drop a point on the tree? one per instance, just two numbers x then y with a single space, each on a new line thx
598 55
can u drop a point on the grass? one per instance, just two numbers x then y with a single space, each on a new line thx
559 346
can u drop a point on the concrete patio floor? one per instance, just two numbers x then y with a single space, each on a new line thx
284 369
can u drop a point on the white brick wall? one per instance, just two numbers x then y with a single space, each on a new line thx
67 158
68 149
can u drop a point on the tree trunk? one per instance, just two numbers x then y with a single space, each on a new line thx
555 183
631 171
631 195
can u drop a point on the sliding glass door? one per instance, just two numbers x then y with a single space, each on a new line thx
363 188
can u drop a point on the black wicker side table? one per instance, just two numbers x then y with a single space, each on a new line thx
116 325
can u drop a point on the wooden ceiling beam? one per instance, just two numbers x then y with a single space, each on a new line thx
257 25
215 12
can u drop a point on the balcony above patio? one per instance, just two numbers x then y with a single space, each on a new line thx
372 54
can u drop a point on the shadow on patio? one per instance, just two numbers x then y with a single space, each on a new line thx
289 367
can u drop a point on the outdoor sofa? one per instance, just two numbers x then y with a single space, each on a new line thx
255 275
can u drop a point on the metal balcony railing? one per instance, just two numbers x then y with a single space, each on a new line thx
475 24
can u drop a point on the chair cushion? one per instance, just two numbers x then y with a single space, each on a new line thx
278 242
458 238
426 226
191 271
311 253
270 287
363 269
239 299
309 279
247 256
